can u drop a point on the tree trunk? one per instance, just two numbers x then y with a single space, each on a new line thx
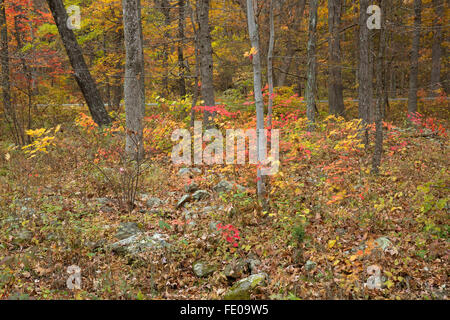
81 71
363 74
9 111
376 160
393 82
181 65
259 102
437 49
206 59
335 96
370 83
270 65
196 88
364 89
286 65
291 45
412 97
312 66
19 35
134 90
165 9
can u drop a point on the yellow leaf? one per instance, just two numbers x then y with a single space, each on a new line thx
331 243
389 284
389 274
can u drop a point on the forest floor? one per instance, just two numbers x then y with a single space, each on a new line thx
333 230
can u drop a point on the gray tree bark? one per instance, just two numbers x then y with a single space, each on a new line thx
437 48
134 91
364 80
181 65
414 70
335 95
206 59
311 85
270 64
165 10
81 72
291 46
363 67
196 89
9 111
380 75
259 102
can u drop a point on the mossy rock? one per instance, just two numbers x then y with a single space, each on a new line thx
242 289
202 269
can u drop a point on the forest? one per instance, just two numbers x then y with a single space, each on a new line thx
224 150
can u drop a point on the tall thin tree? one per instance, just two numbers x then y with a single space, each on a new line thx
414 70
206 59
165 7
335 95
181 40
364 89
311 85
9 111
81 72
134 90
436 51
380 76
270 64
259 102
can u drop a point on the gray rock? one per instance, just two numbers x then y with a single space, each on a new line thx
27 212
225 186
236 269
310 265
361 247
189 171
145 196
242 289
103 200
139 243
200 195
21 202
189 188
202 269
184 171
192 223
23 236
185 199
93 245
10 220
386 245
383 243
213 226
107 209
127 229
190 216
253 262
153 202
